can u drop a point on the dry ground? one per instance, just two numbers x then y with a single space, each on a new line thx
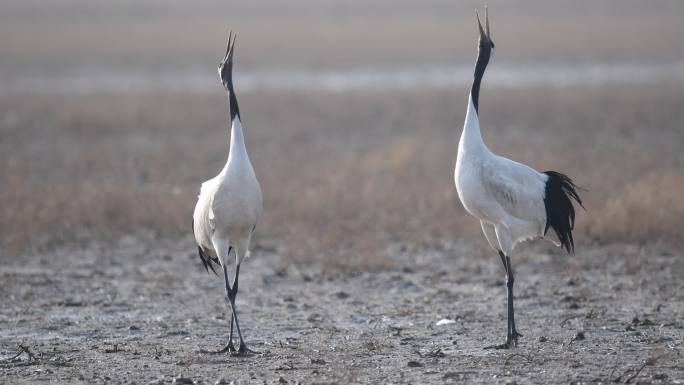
363 245
136 313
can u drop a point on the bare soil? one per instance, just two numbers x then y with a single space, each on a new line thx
146 312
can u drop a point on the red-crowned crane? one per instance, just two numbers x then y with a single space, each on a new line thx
513 202
229 205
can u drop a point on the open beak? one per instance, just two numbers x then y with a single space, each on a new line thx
484 33
228 57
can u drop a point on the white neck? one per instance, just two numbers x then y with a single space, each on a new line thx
238 151
471 138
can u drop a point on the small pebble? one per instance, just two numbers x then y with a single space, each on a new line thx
542 339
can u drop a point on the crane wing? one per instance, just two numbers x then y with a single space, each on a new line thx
207 260
203 226
517 188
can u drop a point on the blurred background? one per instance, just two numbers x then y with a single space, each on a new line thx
112 114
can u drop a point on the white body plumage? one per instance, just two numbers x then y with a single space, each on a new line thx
229 205
506 196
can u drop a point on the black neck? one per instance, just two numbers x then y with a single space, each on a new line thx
234 109
482 60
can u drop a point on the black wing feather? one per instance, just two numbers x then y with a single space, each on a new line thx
207 260
559 193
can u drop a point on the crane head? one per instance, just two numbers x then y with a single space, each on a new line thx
485 41
225 67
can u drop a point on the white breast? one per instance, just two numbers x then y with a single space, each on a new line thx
498 191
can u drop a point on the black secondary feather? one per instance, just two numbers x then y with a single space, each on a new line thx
559 192
207 261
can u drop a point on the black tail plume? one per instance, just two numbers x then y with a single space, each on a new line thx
560 213
206 259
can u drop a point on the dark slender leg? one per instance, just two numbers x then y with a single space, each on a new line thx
504 260
511 332
231 298
232 317
230 347
230 338
512 338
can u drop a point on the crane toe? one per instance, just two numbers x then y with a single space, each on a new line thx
512 343
230 348
227 349
245 351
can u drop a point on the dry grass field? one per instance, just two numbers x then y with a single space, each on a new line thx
358 190
342 173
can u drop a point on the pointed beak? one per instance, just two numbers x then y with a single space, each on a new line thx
230 48
230 37
479 24
489 35
226 65
484 32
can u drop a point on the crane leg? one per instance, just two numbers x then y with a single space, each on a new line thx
230 347
231 294
512 337
511 332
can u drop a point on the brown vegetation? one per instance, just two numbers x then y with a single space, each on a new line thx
343 174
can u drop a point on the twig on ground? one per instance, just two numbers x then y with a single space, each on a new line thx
615 366
530 357
649 362
633 376
13 357
525 356
569 318
22 349
28 352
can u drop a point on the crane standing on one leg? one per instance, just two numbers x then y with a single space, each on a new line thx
229 205
512 201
